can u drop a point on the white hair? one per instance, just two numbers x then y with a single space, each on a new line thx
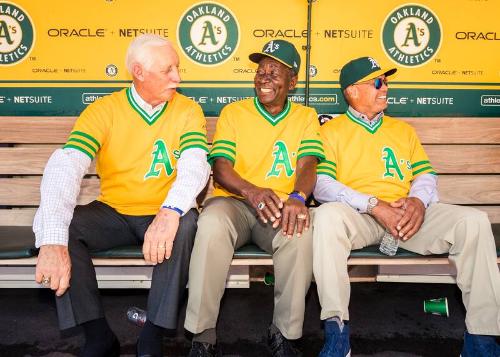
138 51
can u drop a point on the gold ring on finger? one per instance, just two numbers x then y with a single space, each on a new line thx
46 280
301 216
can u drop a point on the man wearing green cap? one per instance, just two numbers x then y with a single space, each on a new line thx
264 160
377 181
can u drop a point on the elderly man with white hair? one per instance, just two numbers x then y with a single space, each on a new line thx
150 147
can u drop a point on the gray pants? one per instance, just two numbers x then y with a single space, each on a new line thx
227 224
97 226
463 232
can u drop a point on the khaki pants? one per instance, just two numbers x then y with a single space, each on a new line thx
463 232
227 224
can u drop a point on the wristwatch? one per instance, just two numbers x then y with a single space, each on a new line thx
372 203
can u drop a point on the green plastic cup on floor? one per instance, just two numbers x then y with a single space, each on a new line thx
437 307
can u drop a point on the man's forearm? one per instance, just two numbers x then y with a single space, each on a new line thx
424 187
59 191
193 172
328 189
227 177
305 175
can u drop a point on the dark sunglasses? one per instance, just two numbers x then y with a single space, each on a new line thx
377 82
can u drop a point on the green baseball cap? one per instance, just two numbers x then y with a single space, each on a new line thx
280 50
360 70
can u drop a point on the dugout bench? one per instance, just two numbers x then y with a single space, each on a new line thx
464 151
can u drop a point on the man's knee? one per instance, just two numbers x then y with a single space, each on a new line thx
476 220
464 213
476 215
331 213
216 218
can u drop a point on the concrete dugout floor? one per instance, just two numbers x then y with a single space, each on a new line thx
387 319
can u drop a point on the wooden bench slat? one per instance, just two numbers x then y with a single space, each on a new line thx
17 217
25 191
28 160
473 189
37 130
456 189
464 159
456 130
430 130
446 159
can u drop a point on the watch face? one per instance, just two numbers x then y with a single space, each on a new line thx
373 201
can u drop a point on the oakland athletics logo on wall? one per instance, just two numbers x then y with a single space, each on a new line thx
17 34
208 33
411 35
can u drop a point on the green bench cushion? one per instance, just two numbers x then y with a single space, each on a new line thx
132 251
19 242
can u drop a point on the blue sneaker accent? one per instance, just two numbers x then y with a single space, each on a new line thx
336 342
480 346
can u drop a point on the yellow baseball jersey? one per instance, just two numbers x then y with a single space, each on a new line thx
137 153
382 160
264 148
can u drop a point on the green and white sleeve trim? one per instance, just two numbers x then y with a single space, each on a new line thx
223 148
193 139
83 142
422 167
328 168
311 148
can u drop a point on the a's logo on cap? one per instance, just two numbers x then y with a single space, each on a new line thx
373 62
208 33
17 34
271 47
411 35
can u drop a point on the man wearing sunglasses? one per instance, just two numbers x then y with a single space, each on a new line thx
377 178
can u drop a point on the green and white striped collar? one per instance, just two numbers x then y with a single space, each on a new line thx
359 118
143 108
272 119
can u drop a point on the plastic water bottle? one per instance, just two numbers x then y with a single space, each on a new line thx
389 244
136 316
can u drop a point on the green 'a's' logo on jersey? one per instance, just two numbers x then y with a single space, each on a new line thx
281 161
391 164
160 160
